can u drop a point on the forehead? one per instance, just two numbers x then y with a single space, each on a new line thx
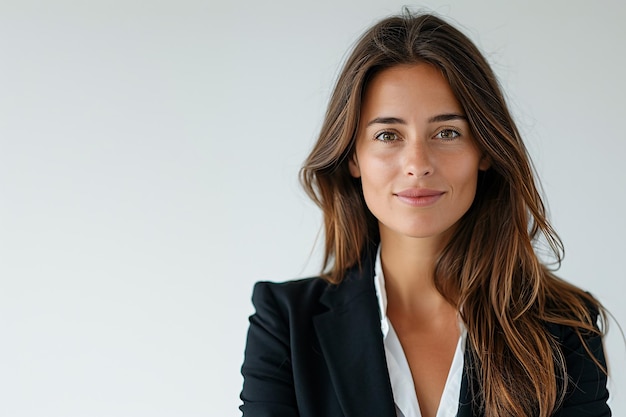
409 88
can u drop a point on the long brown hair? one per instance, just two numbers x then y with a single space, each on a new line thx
489 269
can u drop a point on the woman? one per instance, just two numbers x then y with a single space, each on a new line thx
433 301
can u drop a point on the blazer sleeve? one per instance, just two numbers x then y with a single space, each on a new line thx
587 392
268 389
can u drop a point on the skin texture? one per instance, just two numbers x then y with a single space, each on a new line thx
406 150
418 164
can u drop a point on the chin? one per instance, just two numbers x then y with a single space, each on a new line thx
422 231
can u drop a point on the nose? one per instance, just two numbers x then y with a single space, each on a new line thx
418 161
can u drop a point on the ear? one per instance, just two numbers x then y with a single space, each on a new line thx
353 164
485 163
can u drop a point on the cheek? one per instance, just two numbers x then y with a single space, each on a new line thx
376 171
376 180
466 177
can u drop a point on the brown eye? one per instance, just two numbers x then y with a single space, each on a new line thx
447 134
386 136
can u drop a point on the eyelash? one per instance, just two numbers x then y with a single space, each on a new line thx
386 132
453 132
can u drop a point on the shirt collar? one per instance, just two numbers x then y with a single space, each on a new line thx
381 294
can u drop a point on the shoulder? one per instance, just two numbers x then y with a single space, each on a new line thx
578 343
288 298
569 335
584 362
298 289
280 328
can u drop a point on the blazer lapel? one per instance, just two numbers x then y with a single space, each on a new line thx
351 341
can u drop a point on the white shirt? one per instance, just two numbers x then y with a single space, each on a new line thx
399 372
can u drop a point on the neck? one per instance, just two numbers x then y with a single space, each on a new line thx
409 266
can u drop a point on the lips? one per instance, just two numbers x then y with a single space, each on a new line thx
419 197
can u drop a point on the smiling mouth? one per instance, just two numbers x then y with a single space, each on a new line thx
419 198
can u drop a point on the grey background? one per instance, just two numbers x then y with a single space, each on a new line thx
148 177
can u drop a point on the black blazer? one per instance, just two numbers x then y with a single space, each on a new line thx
316 350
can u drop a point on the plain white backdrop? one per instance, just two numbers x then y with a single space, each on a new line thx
149 153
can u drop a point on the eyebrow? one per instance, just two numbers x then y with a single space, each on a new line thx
435 119
386 121
447 117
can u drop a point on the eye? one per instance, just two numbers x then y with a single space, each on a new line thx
386 136
447 134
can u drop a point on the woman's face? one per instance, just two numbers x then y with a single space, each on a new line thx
415 154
